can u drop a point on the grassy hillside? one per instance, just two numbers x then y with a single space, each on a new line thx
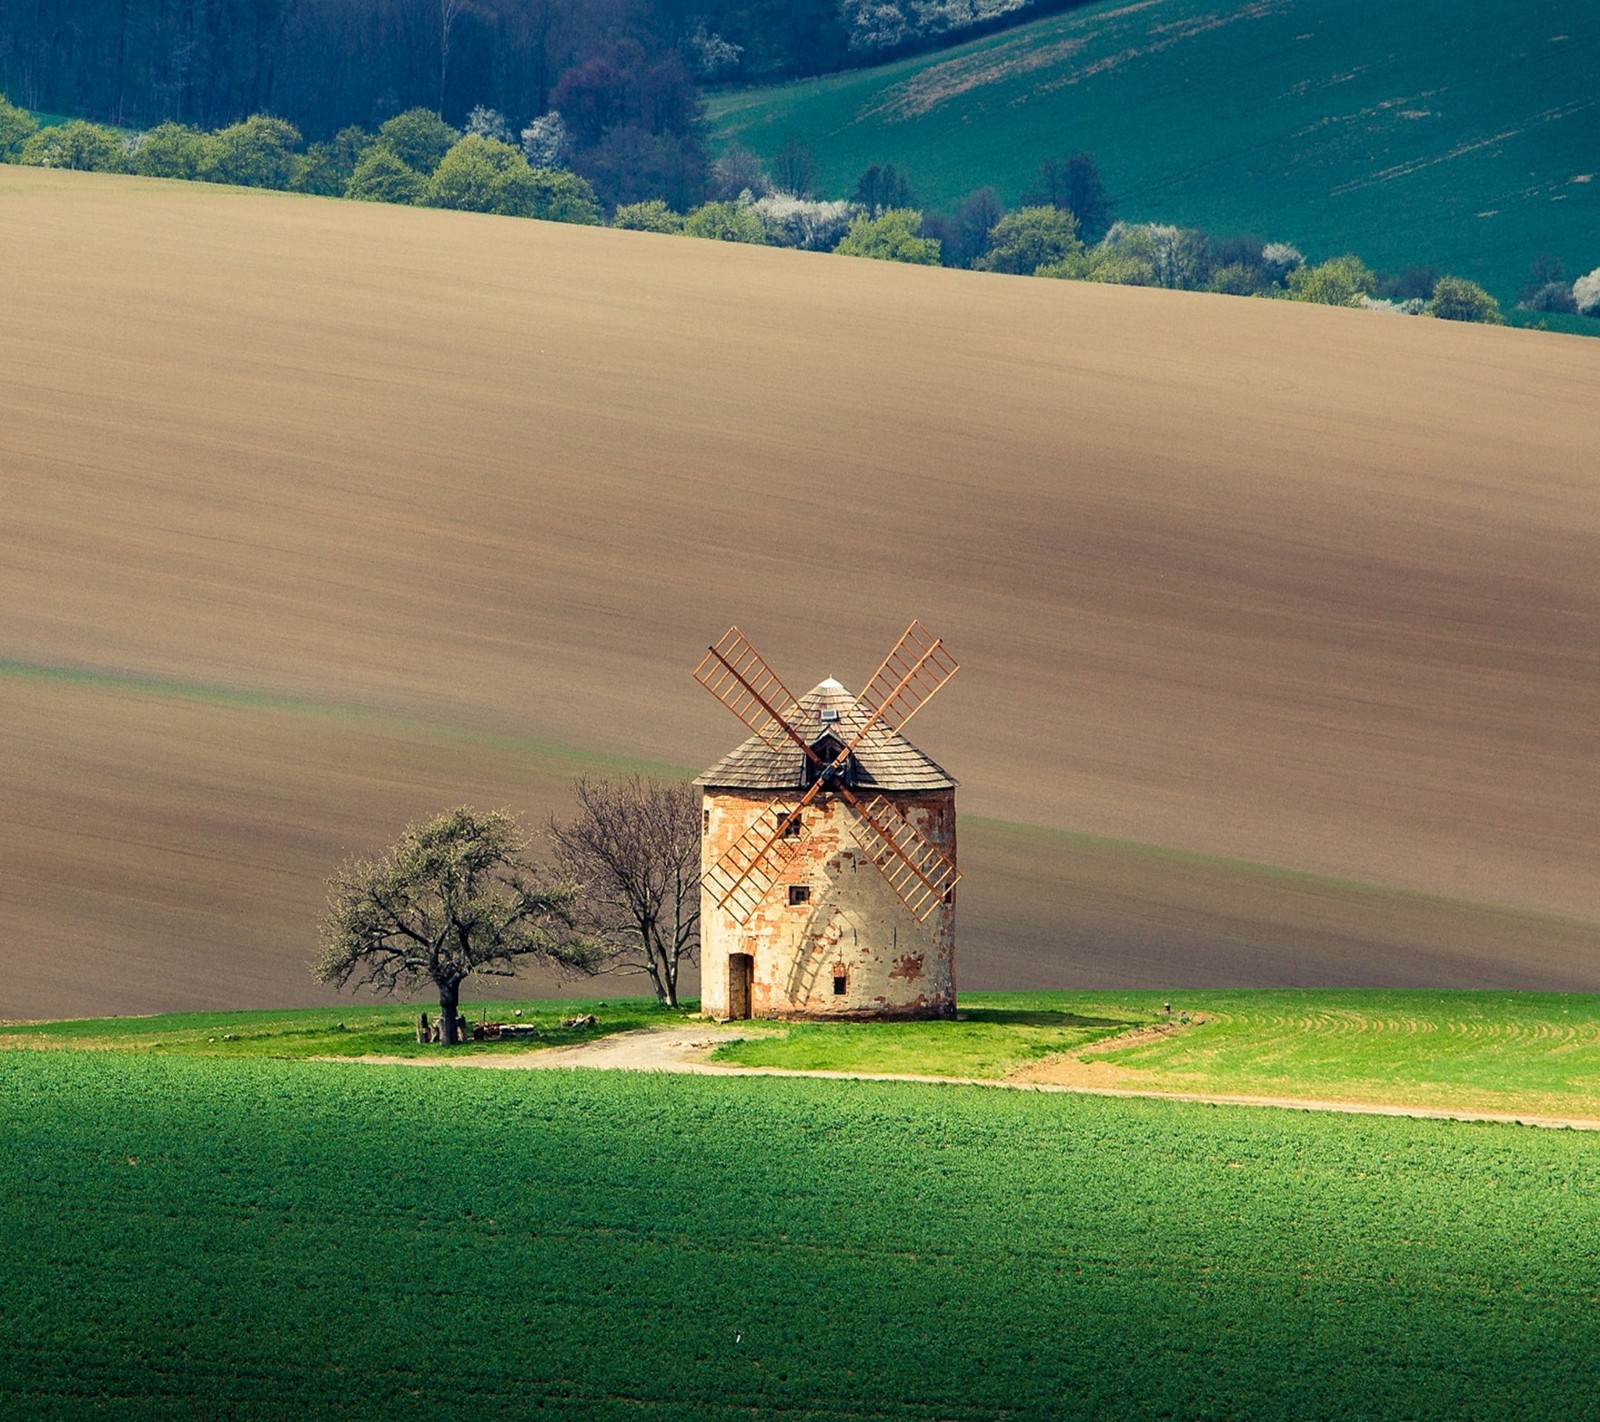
1429 132
1505 1053
383 1027
1495 1052
321 516
263 1239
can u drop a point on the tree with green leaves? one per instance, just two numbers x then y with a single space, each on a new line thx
455 898
171 150
17 126
556 195
419 138
1030 238
1341 281
894 237
482 175
1235 279
327 168
1111 266
724 222
1457 299
379 176
485 175
86 147
651 216
258 152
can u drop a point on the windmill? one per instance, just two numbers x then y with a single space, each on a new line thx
828 844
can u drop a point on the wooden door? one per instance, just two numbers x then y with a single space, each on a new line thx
741 980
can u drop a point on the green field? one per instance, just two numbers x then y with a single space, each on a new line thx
1537 1053
361 1029
1510 1052
215 1238
1431 132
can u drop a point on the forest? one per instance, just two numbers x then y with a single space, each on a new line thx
324 64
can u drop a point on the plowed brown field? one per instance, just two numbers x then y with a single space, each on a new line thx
317 516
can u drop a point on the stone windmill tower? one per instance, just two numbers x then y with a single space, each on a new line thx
828 845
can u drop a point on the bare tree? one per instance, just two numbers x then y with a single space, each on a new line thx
794 170
634 846
453 897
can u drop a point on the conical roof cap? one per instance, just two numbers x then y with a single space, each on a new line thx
885 760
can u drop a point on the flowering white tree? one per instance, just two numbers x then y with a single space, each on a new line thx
874 24
1411 306
545 143
489 123
1586 293
1176 257
713 56
1278 259
810 223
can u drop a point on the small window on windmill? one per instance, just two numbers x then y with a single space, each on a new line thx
828 715
824 758
790 828
841 979
799 894
705 821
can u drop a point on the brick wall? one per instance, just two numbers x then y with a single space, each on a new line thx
850 948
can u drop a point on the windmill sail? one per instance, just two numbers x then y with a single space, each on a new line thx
916 868
741 878
910 676
738 676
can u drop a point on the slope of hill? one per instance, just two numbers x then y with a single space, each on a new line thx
1425 133
322 515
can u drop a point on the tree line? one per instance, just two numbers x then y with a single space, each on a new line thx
579 170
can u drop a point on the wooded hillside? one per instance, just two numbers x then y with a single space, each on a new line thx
324 64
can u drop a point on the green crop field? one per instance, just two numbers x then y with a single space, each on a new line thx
1508 1052
1431 132
1537 1053
261 1239
361 1029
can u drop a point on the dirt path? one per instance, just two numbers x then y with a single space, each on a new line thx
674 1049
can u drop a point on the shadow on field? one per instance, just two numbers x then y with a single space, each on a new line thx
1037 1017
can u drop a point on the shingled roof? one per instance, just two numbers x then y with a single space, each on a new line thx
885 759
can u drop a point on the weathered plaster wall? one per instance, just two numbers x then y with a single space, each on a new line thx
854 925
